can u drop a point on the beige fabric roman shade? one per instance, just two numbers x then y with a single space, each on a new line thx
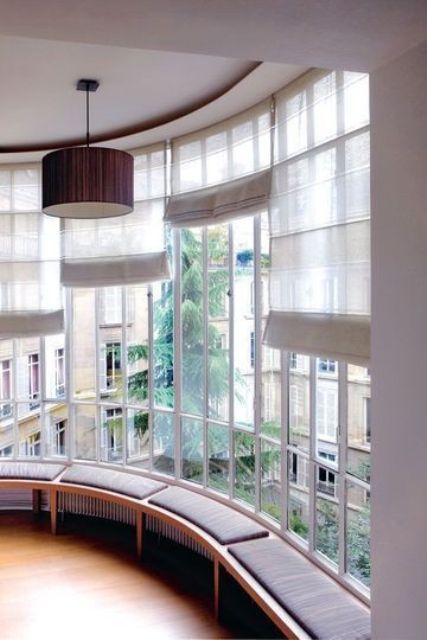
320 219
124 250
221 203
30 293
334 336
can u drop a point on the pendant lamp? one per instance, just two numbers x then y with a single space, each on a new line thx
87 182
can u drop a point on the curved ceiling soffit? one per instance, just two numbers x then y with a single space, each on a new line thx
140 127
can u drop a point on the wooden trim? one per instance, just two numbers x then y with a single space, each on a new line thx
140 530
216 587
53 510
36 498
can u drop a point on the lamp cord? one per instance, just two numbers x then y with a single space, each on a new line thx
87 115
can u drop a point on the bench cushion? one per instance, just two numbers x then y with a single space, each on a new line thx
221 522
30 470
110 480
315 601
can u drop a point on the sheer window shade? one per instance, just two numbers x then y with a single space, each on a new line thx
231 149
319 218
221 203
124 250
30 294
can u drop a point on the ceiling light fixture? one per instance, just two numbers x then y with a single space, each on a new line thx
87 182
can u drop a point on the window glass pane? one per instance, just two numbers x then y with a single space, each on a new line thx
138 438
110 306
244 456
271 393
54 366
137 345
219 457
271 389
299 401
242 150
163 344
298 494
85 431
84 344
26 189
327 410
356 100
192 449
164 442
190 166
218 318
111 434
359 422
325 108
192 321
244 324
327 513
29 430
358 533
110 366
110 355
28 371
271 497
216 158
6 431
56 429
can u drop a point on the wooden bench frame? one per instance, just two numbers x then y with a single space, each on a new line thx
220 555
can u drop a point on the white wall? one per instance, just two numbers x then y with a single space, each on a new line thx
399 346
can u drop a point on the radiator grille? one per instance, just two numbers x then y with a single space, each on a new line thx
167 531
21 499
89 506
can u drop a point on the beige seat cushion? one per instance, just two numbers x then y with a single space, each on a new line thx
316 602
30 470
117 481
221 522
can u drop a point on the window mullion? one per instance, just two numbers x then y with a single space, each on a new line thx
342 462
97 376
284 416
124 364
42 396
14 395
177 348
313 466
69 382
258 359
205 312
232 465
150 304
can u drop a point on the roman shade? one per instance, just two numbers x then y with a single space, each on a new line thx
124 250
221 203
319 218
233 148
30 293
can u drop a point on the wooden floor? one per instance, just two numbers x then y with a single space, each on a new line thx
76 587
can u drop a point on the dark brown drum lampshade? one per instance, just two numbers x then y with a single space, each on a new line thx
87 182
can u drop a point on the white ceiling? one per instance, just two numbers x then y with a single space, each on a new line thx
349 34
159 60
40 105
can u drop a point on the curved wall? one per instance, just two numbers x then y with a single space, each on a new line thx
172 378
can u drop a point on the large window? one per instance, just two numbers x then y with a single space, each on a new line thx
177 377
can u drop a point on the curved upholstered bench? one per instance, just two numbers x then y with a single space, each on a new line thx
295 594
311 597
